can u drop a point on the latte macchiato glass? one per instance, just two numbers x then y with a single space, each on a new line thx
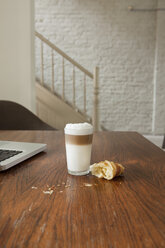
78 144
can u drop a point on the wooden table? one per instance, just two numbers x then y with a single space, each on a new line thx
126 212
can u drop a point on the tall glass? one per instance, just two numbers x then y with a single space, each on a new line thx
78 144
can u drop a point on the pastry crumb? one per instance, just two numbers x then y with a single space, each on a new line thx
49 192
87 184
66 186
34 187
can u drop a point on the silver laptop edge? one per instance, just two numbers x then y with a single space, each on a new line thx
29 150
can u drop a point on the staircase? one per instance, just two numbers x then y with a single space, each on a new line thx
52 106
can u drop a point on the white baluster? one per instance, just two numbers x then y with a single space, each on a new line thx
84 93
52 70
42 64
73 87
63 79
95 100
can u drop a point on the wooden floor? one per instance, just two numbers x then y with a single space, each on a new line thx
157 140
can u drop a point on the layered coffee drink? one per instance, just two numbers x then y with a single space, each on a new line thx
78 143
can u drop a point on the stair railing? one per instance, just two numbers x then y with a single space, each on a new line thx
93 76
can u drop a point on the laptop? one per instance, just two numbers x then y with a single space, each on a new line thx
12 153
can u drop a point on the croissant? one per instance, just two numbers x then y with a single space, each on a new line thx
106 169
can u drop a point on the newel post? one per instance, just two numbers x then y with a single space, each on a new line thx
95 120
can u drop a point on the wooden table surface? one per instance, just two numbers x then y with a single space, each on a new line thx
126 212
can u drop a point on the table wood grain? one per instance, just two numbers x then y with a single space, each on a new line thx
126 212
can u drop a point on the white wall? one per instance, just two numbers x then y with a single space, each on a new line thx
128 47
17 52
159 89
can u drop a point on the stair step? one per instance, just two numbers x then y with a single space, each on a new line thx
54 111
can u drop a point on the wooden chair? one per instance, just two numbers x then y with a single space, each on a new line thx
14 116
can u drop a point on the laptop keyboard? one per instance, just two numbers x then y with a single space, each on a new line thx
5 154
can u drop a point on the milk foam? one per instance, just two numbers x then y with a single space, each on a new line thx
78 128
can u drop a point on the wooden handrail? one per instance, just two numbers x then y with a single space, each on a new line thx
94 76
58 50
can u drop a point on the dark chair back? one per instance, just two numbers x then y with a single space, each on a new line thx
14 116
163 145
